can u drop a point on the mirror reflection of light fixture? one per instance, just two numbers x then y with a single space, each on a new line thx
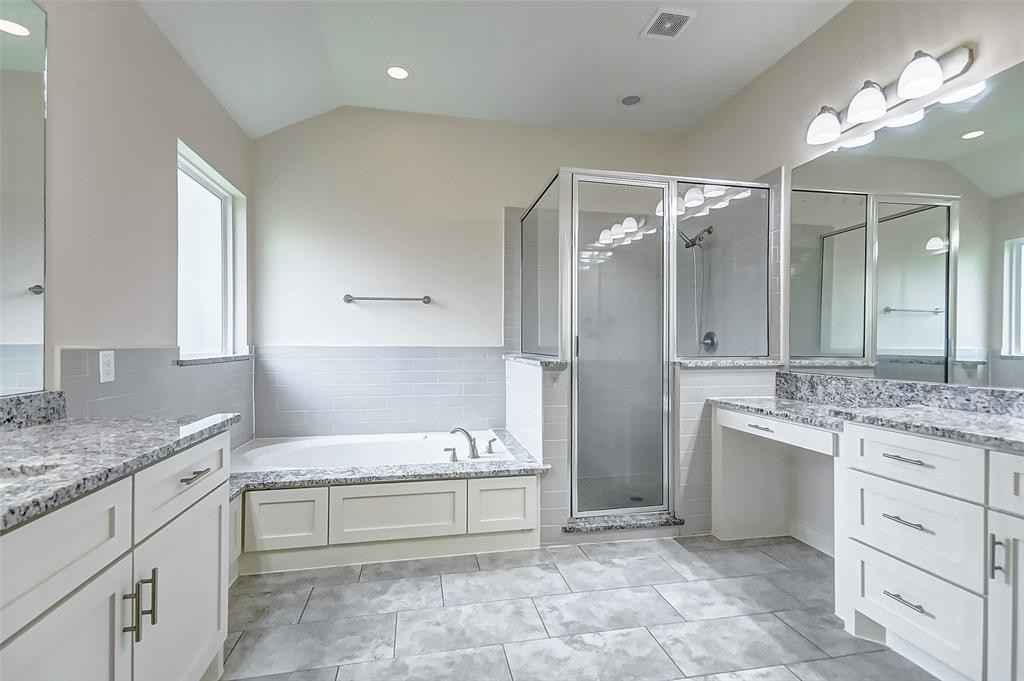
825 127
920 77
693 197
904 121
936 245
742 195
617 232
963 94
629 225
859 141
660 209
867 105
606 237
703 213
13 28
720 204
713 190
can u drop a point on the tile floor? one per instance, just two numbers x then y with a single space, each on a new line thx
643 610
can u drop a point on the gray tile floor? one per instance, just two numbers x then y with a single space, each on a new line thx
643 610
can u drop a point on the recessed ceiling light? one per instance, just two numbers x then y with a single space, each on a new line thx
13 28
630 100
973 134
398 72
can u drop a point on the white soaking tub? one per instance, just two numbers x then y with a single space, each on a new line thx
343 451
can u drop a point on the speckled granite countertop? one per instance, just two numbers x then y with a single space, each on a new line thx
522 464
47 466
806 413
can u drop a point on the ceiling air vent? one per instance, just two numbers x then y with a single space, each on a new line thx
667 24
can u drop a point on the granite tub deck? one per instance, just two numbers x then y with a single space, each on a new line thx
1000 432
47 466
522 463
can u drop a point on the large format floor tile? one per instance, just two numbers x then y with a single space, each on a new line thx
422 567
762 674
630 548
822 628
722 645
474 664
500 585
882 666
322 674
294 580
709 542
624 655
467 626
546 555
799 556
813 587
696 565
249 611
310 645
230 641
614 573
726 597
581 613
369 598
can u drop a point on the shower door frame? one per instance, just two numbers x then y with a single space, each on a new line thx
571 226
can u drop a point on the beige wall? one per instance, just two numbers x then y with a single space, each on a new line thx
119 97
382 203
763 126
1008 223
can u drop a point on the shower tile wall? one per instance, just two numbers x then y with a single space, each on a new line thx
353 390
21 368
149 383
554 485
513 279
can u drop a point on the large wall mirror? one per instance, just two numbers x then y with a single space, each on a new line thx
22 195
906 253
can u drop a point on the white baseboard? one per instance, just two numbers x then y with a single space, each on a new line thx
813 536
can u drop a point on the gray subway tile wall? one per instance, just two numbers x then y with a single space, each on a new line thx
21 368
148 383
358 390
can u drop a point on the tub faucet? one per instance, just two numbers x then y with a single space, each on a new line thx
451 451
473 453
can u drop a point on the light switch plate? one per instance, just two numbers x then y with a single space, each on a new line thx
106 366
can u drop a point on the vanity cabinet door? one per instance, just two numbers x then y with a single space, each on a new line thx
181 573
1005 597
81 639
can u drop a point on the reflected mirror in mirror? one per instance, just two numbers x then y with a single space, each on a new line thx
22 177
944 231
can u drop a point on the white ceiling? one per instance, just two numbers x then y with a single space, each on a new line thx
272 63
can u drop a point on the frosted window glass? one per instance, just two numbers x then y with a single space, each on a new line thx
201 269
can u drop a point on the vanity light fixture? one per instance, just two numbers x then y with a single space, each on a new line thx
859 141
713 190
629 225
920 77
13 28
825 128
904 121
973 134
693 197
868 104
963 94
397 72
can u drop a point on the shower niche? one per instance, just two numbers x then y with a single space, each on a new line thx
623 274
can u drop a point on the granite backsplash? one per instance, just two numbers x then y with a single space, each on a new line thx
32 409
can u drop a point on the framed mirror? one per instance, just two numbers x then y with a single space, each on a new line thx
906 252
22 194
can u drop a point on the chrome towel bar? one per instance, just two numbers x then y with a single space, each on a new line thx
889 310
349 298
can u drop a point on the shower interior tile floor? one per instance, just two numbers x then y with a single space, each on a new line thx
653 609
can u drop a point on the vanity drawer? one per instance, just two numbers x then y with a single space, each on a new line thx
939 534
957 470
167 488
806 437
941 619
49 557
1006 482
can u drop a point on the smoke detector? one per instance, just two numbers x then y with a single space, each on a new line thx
667 24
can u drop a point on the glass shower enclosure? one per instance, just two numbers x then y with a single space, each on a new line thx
599 292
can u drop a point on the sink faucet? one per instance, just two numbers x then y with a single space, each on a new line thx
473 453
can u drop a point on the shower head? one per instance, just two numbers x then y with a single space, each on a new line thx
698 238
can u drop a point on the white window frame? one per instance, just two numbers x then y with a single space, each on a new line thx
1013 298
227 252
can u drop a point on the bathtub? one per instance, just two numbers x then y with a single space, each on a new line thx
343 451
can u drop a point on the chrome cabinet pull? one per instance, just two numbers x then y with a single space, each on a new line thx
195 476
992 544
136 626
757 427
903 601
901 521
152 604
897 457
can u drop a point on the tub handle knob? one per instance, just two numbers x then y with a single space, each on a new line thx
490 445
451 450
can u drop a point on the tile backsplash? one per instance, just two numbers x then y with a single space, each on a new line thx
354 390
21 367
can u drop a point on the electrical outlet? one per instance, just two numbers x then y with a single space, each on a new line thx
106 366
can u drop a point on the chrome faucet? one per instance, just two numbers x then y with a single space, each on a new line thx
473 453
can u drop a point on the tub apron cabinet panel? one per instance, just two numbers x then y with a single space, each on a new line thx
285 518
398 510
1006 597
502 504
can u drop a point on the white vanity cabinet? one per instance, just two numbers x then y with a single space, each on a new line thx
81 600
1005 596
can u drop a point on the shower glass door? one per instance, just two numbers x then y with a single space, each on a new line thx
620 368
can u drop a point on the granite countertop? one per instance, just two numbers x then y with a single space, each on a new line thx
545 361
806 413
522 463
47 466
727 362
990 431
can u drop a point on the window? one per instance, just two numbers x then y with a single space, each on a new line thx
1013 299
205 273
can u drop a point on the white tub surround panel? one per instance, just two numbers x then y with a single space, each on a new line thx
353 390
148 382
524 404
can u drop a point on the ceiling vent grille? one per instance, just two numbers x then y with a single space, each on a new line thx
667 24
